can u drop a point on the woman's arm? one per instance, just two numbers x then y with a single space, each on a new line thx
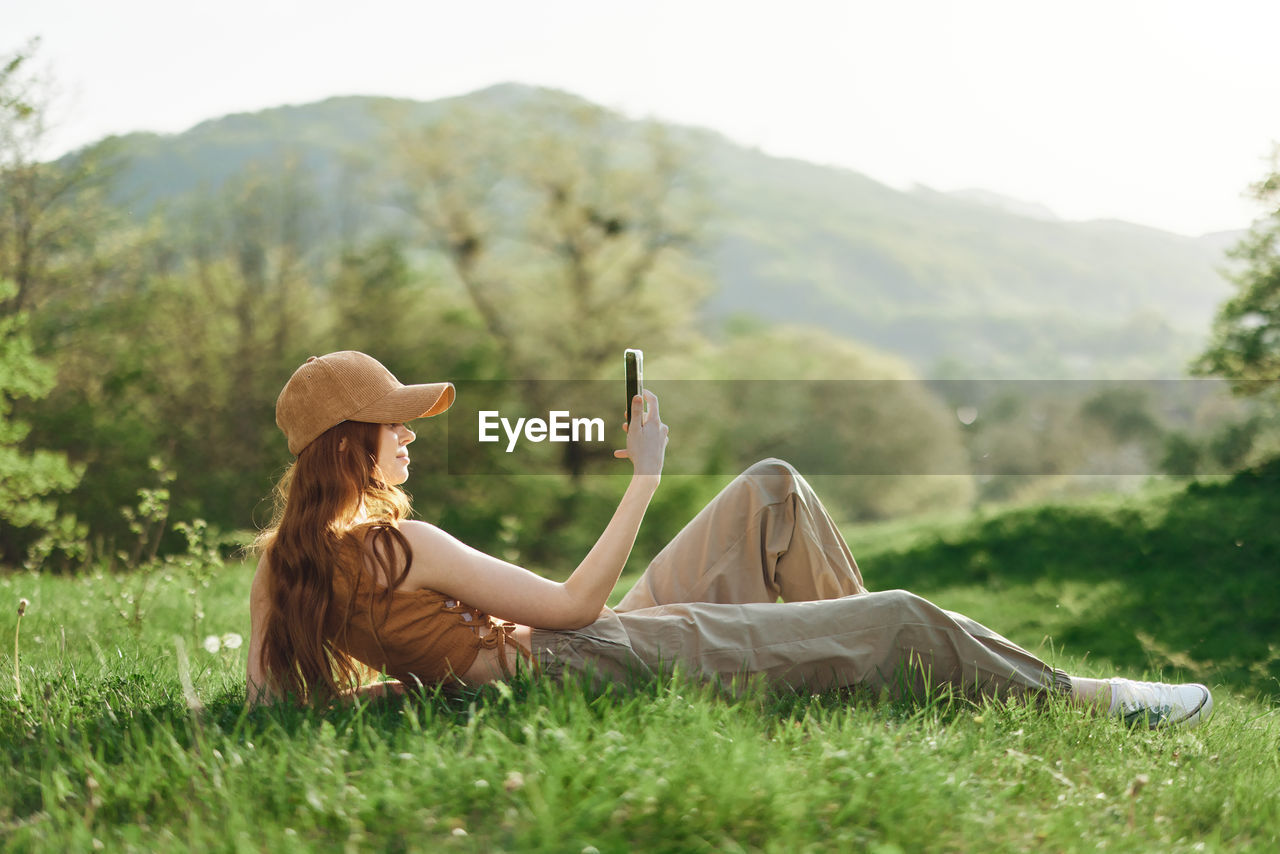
257 686
513 593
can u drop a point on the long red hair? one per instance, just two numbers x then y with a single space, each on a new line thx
330 503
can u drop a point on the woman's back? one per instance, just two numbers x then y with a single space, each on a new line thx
417 636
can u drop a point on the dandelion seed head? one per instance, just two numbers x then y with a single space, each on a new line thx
1136 786
231 640
22 606
212 644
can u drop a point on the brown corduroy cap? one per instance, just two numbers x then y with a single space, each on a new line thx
350 386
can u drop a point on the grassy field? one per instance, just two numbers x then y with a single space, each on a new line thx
107 749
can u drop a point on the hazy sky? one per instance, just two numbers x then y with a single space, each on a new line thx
1160 112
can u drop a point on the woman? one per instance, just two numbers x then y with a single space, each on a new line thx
346 581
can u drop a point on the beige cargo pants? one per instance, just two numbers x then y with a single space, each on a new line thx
708 606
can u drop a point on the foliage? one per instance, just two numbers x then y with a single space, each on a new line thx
28 478
1182 456
51 210
856 422
232 295
52 248
1225 447
1245 344
1030 441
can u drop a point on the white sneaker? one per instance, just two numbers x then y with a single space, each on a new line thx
1159 704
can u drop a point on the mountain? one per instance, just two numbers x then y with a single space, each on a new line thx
967 283
1033 210
950 281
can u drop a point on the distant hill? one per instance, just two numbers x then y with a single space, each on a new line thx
960 284
1033 210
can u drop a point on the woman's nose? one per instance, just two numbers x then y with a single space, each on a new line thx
406 435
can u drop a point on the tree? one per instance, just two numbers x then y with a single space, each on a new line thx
28 478
232 309
873 439
568 230
1245 343
49 211
558 221
177 347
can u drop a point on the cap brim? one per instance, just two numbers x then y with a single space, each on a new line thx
407 403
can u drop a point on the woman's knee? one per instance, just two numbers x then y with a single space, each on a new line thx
772 480
902 604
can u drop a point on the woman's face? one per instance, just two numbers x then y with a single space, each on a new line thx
393 452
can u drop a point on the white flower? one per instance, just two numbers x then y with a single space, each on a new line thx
231 640
212 644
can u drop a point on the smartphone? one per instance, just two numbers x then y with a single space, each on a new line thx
633 368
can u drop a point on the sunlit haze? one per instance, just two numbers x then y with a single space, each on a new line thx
1161 113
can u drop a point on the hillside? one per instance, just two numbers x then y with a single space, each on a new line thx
959 284
945 279
1180 582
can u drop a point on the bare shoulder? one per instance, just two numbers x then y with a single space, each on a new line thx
444 563
432 550
424 535
415 527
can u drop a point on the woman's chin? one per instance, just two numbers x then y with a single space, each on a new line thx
393 475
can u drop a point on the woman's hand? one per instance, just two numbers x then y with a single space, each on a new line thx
646 436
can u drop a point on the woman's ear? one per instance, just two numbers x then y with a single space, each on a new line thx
342 445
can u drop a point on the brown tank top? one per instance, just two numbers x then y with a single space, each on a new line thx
423 637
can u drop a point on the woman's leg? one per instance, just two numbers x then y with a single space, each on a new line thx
765 536
892 640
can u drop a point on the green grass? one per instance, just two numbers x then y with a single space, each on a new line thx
105 746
